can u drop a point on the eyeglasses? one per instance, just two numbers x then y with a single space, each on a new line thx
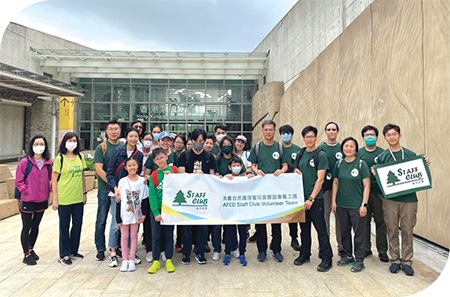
391 135
159 159
310 137
331 129
137 127
268 130
179 142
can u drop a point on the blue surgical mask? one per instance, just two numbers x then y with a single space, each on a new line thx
286 137
236 169
370 140
156 136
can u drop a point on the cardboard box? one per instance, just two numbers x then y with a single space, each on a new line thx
8 208
3 191
10 187
4 173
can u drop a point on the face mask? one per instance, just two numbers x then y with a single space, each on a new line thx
156 136
148 143
220 137
286 138
71 146
370 140
198 146
226 149
236 169
38 149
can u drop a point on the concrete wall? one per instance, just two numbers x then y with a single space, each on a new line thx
390 65
303 33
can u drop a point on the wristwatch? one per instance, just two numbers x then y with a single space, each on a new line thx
311 199
364 204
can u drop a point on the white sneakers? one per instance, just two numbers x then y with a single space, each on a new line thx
149 257
216 256
127 265
163 256
131 265
235 253
113 261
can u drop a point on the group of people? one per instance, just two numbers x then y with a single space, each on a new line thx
337 178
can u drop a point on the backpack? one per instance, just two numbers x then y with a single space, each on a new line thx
155 175
62 161
189 155
315 156
340 161
280 149
17 193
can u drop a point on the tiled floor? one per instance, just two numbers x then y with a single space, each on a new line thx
88 277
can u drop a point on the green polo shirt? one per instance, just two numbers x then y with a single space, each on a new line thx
269 159
309 172
291 151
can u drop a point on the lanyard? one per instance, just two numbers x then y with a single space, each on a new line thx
393 157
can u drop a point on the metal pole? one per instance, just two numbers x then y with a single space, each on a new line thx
53 141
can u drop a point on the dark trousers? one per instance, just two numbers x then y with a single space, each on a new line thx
161 233
201 232
261 238
147 226
30 229
216 236
69 239
315 215
231 238
293 230
349 218
375 210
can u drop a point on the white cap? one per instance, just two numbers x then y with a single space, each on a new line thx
242 137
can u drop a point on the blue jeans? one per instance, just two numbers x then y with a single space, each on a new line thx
100 224
159 233
315 215
114 231
200 240
216 235
69 238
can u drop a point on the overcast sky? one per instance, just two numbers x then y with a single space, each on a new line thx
158 25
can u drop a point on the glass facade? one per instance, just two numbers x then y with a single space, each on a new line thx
178 105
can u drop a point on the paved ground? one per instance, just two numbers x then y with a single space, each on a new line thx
88 277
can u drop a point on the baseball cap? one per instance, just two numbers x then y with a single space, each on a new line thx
164 134
242 137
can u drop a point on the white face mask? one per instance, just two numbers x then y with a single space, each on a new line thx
71 146
148 144
236 169
39 149
220 137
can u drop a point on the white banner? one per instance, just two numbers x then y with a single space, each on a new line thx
195 199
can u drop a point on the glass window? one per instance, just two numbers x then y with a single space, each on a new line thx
85 126
85 111
247 127
102 93
234 93
196 94
86 89
247 113
100 127
158 112
215 93
141 93
121 93
177 93
85 139
162 125
158 93
215 112
192 127
140 112
196 112
249 140
249 92
102 112
177 128
234 127
121 112
233 113
177 112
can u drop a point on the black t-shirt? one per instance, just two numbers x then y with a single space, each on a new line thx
204 162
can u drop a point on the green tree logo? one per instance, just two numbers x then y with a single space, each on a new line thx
392 178
179 198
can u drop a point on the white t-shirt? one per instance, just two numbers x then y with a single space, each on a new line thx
244 158
132 193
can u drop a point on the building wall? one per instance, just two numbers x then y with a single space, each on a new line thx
303 33
390 65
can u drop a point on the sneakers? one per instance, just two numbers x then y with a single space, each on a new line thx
34 255
65 261
226 259
186 260
163 256
137 260
346 260
295 245
262 256
131 265
324 266
76 256
100 256
113 261
278 257
301 259
252 238
235 253
169 266
408 270
358 267
155 267
149 257
216 256
29 260
124 266
394 268
242 260
383 257
200 259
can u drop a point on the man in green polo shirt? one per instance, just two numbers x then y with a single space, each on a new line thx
267 158
369 154
401 210
101 158
220 131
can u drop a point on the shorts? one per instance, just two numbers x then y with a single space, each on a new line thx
30 207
